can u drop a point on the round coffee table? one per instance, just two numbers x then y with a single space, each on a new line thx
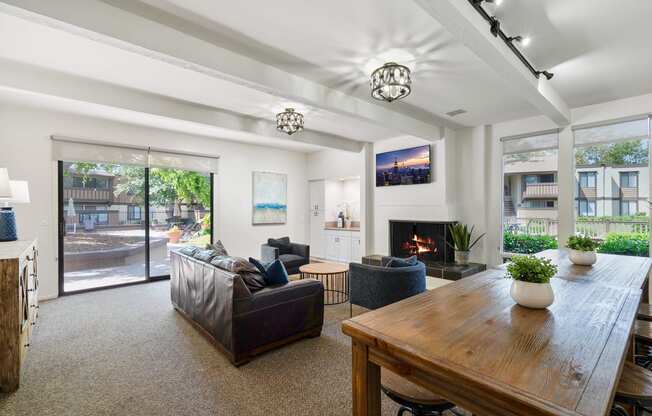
334 277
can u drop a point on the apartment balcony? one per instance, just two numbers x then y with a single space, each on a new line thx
93 195
586 192
629 192
541 190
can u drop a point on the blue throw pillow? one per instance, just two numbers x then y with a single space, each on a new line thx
274 273
396 262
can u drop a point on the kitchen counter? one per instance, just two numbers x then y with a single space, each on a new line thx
341 229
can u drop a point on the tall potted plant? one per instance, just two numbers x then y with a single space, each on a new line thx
462 244
531 281
582 250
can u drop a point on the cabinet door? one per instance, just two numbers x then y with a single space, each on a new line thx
344 249
331 246
355 249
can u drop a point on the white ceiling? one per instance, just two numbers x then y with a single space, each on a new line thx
339 42
599 50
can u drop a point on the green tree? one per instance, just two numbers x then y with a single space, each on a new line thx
632 152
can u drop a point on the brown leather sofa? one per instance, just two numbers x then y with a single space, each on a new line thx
244 324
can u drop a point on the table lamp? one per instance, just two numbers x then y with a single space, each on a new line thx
19 195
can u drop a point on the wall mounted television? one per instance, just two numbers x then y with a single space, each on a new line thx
403 167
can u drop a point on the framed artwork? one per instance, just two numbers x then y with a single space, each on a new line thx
269 198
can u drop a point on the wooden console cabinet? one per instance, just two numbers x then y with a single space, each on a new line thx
18 307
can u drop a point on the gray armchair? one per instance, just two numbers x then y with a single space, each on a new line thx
373 287
299 255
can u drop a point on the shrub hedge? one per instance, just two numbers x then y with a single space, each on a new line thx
527 244
628 244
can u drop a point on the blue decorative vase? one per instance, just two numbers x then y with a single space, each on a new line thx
7 225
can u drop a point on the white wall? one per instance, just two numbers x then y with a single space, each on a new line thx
338 192
27 153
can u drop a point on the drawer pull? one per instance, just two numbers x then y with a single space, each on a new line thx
27 345
31 290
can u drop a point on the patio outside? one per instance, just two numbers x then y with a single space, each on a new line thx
104 241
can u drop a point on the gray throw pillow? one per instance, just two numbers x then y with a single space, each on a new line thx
247 271
218 247
188 250
205 255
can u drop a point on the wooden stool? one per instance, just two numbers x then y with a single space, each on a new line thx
645 312
412 398
635 387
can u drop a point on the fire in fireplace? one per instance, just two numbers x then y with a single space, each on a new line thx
420 245
426 240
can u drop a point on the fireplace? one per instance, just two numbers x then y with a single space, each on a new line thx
425 239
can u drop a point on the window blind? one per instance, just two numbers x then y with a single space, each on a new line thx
530 143
70 149
612 132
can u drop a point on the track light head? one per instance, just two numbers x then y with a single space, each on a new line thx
523 40
496 2
495 26
546 74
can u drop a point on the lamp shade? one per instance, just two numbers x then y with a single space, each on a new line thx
5 188
19 193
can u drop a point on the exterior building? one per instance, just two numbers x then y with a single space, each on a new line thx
531 191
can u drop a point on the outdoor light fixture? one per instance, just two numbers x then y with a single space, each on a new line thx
494 28
391 82
289 121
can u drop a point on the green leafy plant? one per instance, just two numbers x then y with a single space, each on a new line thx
581 243
627 244
462 236
531 269
527 243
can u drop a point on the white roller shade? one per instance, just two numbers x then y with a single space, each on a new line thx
197 163
614 132
530 143
71 150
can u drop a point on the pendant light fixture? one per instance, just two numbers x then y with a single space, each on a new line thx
391 82
289 121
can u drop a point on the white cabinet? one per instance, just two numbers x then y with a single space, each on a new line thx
343 246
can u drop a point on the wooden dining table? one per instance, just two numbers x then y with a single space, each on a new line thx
471 344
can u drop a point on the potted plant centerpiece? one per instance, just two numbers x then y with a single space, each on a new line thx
531 281
462 244
582 250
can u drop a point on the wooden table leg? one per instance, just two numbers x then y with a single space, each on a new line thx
366 382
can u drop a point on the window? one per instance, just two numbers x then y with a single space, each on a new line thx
586 208
94 218
610 160
134 213
90 182
530 192
629 179
628 207
587 179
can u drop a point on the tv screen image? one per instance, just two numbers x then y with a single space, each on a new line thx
403 167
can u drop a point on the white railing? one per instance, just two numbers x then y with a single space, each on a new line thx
596 229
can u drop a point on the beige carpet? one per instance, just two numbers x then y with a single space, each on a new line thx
127 352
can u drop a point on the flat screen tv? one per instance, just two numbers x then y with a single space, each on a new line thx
403 167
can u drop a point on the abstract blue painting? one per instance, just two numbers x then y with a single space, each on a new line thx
269 198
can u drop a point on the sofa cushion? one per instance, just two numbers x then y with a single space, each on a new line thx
250 275
291 260
397 262
218 247
283 244
205 255
258 264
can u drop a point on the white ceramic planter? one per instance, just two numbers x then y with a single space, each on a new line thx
462 257
532 295
582 258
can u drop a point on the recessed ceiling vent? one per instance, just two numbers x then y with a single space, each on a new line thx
455 112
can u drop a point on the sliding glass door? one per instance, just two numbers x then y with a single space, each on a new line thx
180 214
118 222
